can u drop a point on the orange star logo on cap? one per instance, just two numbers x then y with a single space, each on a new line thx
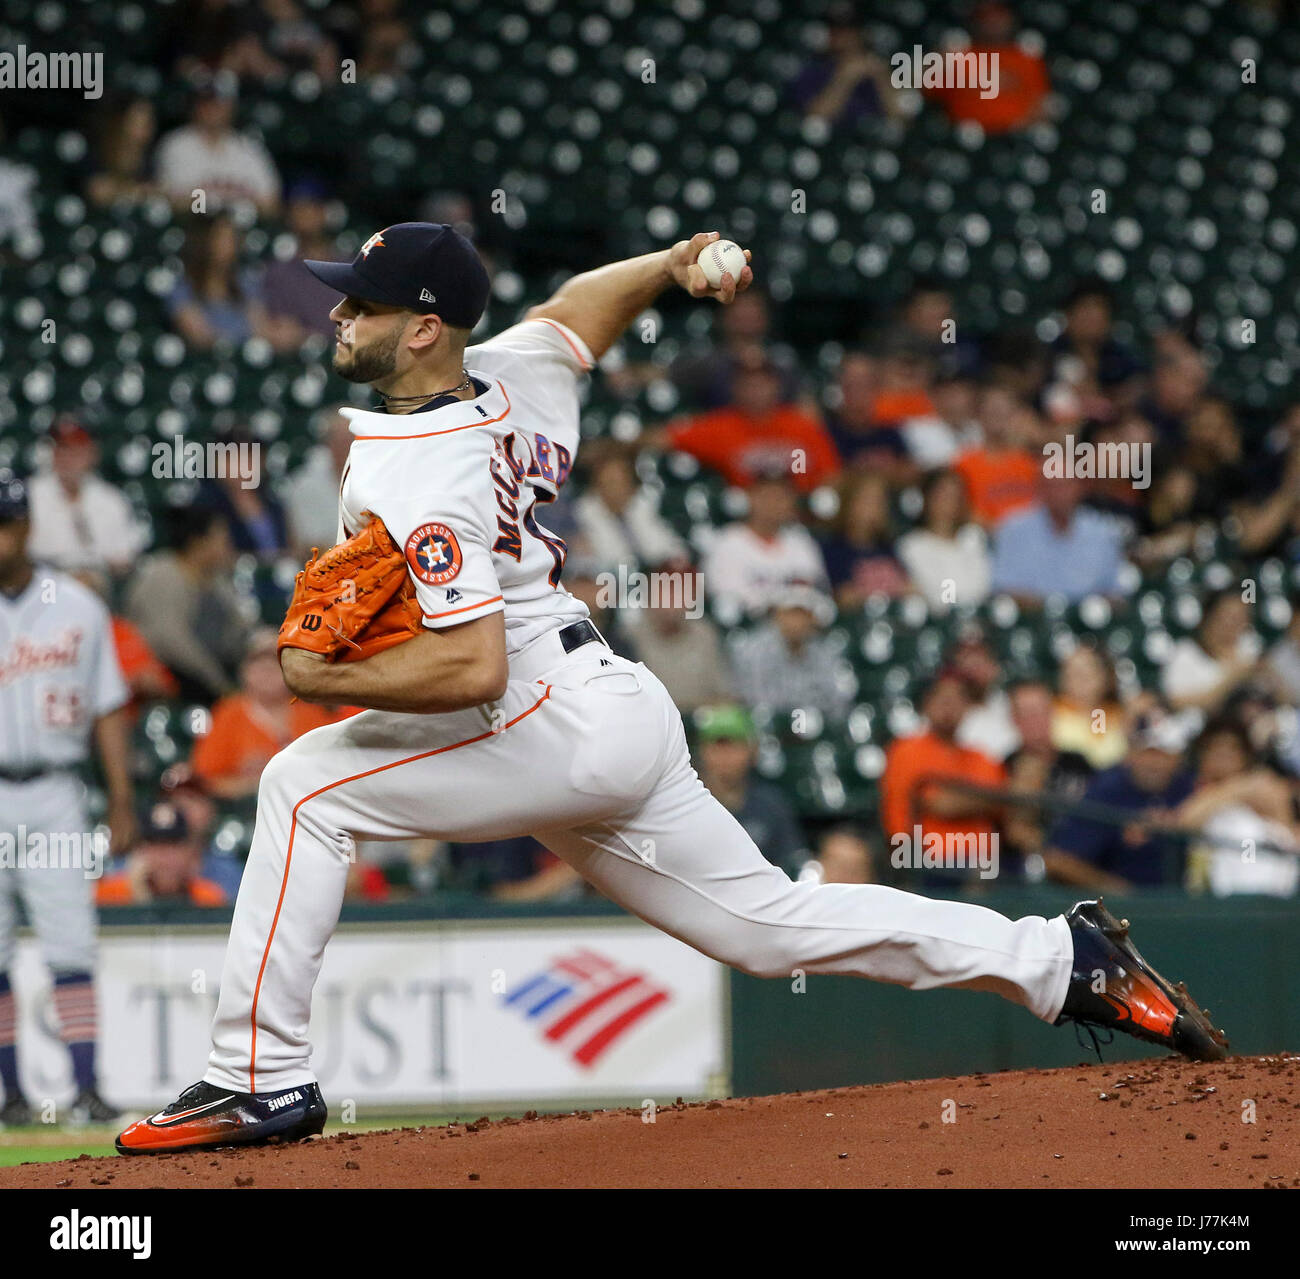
375 240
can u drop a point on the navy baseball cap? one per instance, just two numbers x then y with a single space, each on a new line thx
425 267
13 497
164 823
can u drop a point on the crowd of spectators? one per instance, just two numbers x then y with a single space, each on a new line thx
910 465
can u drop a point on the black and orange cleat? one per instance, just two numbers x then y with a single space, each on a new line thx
205 1116
1112 986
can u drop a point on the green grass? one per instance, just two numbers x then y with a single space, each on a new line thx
40 1144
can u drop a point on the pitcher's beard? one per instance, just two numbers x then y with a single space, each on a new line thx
370 363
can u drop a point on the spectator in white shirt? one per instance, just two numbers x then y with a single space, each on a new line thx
209 156
80 520
1203 673
1238 803
946 555
749 560
619 518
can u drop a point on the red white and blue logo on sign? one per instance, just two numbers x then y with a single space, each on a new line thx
433 554
584 1003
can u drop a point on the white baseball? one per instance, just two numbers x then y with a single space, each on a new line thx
720 257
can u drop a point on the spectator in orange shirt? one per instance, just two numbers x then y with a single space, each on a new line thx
1001 475
252 725
906 374
757 433
163 867
1022 80
913 794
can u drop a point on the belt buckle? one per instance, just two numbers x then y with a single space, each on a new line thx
576 634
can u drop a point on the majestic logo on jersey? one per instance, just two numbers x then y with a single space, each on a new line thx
433 554
375 241
453 595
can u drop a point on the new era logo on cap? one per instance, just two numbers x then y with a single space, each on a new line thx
419 265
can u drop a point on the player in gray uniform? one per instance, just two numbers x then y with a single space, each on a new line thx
61 689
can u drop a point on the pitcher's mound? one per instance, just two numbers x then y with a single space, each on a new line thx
1134 1124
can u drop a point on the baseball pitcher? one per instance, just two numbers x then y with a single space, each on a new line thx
496 709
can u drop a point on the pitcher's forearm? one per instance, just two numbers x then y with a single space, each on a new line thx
435 672
599 305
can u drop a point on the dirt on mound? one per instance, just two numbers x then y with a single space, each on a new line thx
1134 1124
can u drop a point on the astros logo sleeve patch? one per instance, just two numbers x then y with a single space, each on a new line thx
433 554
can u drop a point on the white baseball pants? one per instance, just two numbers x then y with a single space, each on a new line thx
586 752
60 900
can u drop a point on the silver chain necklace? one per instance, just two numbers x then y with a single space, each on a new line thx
465 385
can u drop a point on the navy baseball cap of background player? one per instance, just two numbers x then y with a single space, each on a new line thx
425 267
164 823
13 498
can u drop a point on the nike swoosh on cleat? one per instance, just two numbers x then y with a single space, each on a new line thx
164 1120
1125 1014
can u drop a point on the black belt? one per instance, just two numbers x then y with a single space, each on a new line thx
577 634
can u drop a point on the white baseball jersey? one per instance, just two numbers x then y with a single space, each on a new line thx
459 487
58 672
